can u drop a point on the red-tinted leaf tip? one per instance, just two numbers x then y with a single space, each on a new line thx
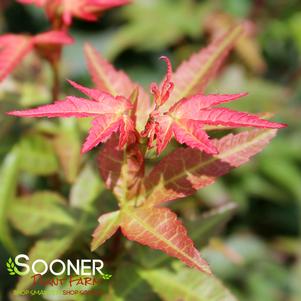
161 94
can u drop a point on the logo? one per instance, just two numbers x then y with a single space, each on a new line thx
57 267
11 267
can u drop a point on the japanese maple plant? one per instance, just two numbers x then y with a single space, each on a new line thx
129 126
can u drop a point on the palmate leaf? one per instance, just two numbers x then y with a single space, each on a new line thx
74 107
109 113
186 170
188 118
159 229
114 82
185 284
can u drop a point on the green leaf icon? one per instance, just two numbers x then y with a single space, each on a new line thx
106 276
11 267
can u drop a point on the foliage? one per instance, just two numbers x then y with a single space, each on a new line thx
185 119
155 149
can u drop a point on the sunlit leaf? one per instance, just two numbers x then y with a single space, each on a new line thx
45 209
108 225
160 229
186 170
178 20
188 118
38 155
200 230
247 46
85 189
9 177
186 284
108 113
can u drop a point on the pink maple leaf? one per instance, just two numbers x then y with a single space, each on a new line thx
186 118
14 47
117 105
109 113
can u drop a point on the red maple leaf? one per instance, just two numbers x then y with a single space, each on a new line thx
186 119
160 229
14 47
88 10
183 171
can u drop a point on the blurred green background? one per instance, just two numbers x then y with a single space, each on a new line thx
258 253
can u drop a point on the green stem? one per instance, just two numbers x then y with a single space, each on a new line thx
55 80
